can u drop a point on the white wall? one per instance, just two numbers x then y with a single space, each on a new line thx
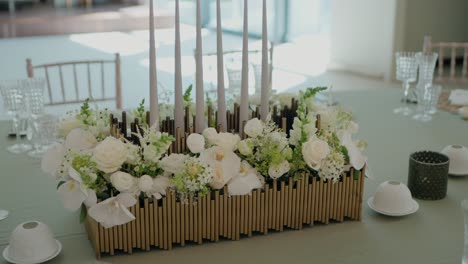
445 20
362 36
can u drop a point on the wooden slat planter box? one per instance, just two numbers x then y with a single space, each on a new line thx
280 205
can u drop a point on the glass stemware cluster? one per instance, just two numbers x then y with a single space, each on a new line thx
409 66
23 101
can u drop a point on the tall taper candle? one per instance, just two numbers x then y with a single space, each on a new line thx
265 95
244 104
154 107
179 100
219 47
200 97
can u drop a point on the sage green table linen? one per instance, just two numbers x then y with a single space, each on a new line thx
432 235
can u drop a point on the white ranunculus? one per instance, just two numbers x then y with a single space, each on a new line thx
314 151
110 154
225 165
196 143
278 170
210 135
79 139
254 128
173 163
227 141
66 125
245 148
123 181
145 183
53 159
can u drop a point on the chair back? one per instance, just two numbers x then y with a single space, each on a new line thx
452 48
70 76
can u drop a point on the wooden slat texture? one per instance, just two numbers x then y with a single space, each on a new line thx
285 204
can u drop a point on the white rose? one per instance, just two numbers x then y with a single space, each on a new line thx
145 183
279 170
196 143
254 128
314 151
79 139
67 125
227 141
110 154
123 181
245 148
210 135
173 163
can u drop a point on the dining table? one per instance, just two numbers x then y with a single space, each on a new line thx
433 234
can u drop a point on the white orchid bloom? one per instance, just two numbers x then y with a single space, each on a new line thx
73 192
225 164
160 184
245 182
113 211
356 158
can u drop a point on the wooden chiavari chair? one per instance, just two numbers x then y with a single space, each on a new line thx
67 98
452 47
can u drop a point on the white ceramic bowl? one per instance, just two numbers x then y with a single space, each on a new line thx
32 242
393 198
458 156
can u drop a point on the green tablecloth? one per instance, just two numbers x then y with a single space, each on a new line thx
432 235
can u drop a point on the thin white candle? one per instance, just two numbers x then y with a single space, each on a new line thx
200 97
154 107
244 103
179 100
219 47
265 93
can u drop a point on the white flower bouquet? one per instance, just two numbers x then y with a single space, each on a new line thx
104 175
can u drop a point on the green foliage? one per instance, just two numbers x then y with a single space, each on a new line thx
60 184
86 112
188 94
83 213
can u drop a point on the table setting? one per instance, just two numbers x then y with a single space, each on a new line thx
137 185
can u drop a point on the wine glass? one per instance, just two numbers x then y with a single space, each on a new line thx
425 99
16 106
44 132
435 94
406 72
426 65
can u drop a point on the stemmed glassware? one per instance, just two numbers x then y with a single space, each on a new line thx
44 132
426 64
406 72
16 106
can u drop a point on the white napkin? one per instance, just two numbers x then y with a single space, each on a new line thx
459 97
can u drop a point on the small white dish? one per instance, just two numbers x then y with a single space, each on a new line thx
458 156
7 257
414 209
31 242
393 198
